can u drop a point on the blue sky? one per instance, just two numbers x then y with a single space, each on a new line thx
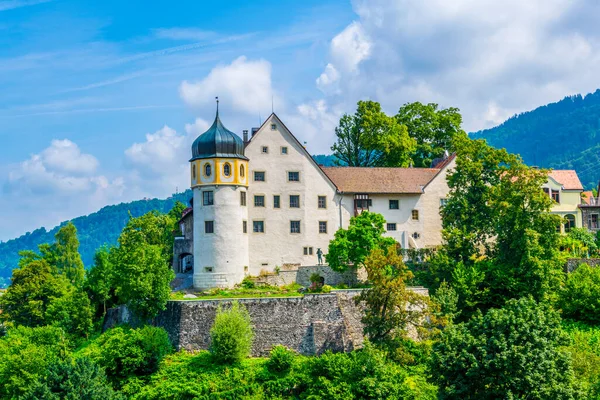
99 101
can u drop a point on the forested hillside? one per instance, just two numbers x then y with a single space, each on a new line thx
562 135
94 230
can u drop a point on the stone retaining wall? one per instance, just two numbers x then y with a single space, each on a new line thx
309 325
301 275
573 263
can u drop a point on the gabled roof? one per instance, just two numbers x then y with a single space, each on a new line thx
380 180
567 178
586 196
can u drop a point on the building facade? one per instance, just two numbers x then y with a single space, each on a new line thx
565 188
263 203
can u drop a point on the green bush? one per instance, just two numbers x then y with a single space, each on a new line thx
125 352
326 289
25 354
248 283
73 380
584 350
281 359
231 334
580 297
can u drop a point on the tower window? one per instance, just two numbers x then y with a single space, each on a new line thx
294 226
194 171
227 169
415 215
259 176
242 171
209 226
207 198
322 226
265 150
207 169
258 226
259 201
276 201
322 202
294 176
242 198
284 150
391 226
394 205
245 226
294 201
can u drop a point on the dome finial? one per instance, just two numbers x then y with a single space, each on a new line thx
217 99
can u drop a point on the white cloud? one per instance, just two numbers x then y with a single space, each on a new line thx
350 47
65 156
328 81
244 85
197 128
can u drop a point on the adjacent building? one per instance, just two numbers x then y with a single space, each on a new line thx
262 202
565 188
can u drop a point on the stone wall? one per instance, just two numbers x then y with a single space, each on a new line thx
301 275
309 325
573 263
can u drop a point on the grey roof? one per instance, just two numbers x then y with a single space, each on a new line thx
218 141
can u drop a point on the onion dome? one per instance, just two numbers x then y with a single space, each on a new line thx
218 141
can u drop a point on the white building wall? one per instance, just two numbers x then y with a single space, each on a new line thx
277 246
220 258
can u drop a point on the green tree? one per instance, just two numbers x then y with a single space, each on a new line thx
80 379
72 312
66 252
33 287
351 246
231 334
579 242
370 138
434 130
509 353
143 273
99 281
390 308
580 297
25 355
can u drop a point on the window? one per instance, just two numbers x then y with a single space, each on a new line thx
209 227
207 198
276 201
294 176
443 202
415 215
284 150
308 251
556 196
207 169
593 221
294 226
258 226
391 226
259 201
273 127
570 222
322 202
265 150
245 226
227 169
259 176
242 198
194 171
294 201
242 171
362 201
394 205
547 191
322 226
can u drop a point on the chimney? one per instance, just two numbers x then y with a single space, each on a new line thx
254 130
245 135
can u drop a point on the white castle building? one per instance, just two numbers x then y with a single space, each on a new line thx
263 202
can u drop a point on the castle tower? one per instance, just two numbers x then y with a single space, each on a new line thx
219 172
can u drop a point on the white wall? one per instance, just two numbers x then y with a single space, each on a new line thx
277 246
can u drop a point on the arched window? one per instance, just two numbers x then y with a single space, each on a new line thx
242 171
194 172
207 169
570 222
227 169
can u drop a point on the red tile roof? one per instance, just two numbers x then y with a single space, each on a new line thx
567 178
380 180
586 196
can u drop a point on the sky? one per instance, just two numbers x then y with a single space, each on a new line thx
100 101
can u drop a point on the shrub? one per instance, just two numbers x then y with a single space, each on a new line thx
81 379
248 283
231 334
281 359
585 356
125 352
326 289
580 297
